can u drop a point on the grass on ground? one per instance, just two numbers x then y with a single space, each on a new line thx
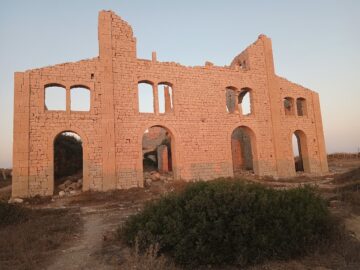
28 237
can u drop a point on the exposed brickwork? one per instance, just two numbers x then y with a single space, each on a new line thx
199 124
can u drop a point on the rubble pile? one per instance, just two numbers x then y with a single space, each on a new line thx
71 185
155 176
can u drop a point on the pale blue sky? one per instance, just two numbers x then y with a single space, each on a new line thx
315 43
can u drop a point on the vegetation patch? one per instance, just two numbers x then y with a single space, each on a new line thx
12 213
28 237
226 221
350 176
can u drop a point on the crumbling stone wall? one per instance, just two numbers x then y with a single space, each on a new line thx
199 123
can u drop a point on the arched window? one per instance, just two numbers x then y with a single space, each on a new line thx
80 98
165 97
289 106
55 97
301 106
244 101
146 97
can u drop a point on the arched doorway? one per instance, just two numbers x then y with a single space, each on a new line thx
243 150
300 152
68 163
157 154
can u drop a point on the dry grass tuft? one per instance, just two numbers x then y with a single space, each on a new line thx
148 260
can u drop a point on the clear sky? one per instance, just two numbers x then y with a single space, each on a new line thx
316 43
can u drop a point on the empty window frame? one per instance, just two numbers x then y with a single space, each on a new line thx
244 102
301 106
165 97
146 97
55 97
79 98
289 106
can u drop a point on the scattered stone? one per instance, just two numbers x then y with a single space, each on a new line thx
335 203
16 200
73 186
155 176
148 182
67 183
78 185
62 186
62 193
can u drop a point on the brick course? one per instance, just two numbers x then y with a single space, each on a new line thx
199 124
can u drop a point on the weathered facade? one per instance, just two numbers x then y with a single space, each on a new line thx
205 110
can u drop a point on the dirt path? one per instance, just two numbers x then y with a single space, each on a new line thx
86 251
5 192
81 255
353 225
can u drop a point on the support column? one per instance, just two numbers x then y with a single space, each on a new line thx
320 134
167 99
20 181
163 158
68 100
107 104
236 155
156 98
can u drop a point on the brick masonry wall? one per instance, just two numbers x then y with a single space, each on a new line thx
200 126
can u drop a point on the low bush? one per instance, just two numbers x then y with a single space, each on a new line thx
229 222
11 214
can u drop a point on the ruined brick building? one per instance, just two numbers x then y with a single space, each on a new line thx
211 136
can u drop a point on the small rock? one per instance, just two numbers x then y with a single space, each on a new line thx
62 193
80 181
67 183
148 182
334 203
62 186
78 185
162 178
16 200
73 192
73 186
155 176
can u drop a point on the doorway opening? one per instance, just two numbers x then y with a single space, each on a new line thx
242 149
299 146
68 163
157 153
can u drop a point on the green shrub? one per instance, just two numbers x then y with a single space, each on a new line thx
226 221
11 214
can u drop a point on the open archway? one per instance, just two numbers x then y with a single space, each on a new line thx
243 150
68 163
158 158
300 151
